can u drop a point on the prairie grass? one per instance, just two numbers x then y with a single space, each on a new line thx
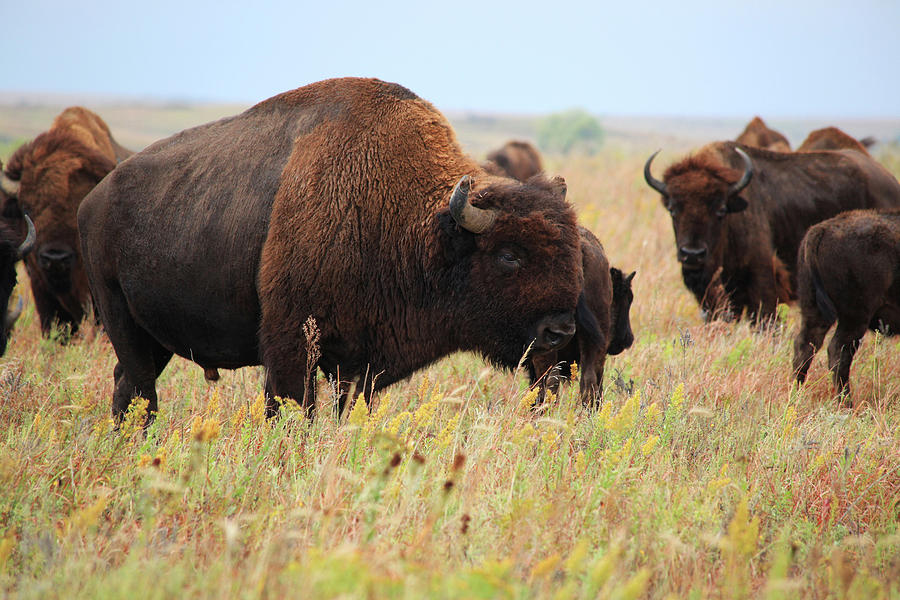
705 474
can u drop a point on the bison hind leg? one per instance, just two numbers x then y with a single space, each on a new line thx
841 349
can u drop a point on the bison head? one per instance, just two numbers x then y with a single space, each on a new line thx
699 193
622 337
51 176
511 256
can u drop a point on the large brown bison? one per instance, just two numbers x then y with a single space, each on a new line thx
51 175
603 325
831 138
848 271
740 212
517 159
758 134
14 245
347 203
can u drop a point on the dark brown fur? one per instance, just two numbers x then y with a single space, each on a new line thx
331 202
604 330
758 134
55 172
831 138
848 271
754 235
517 159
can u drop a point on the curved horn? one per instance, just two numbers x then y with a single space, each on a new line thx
656 184
9 186
476 220
26 246
11 318
745 178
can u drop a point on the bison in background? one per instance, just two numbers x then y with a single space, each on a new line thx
848 271
517 159
758 134
603 326
50 176
346 206
739 214
831 138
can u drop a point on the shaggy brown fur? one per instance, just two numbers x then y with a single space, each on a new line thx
831 138
517 159
758 134
55 172
848 271
754 235
603 326
326 206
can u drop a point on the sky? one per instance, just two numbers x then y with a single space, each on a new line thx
728 58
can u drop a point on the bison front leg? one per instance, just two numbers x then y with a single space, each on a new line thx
841 349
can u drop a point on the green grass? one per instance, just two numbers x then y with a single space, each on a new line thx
714 478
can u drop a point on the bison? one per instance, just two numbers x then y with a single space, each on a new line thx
603 325
51 175
517 159
14 245
346 208
848 270
740 212
831 138
758 134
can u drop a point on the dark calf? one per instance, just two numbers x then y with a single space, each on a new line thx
848 270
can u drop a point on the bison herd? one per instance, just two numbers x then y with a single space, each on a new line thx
340 227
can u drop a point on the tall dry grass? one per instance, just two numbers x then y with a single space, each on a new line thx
706 474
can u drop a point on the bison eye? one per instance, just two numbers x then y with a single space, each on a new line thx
673 209
508 260
721 212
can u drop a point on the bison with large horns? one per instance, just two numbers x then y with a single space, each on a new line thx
17 237
740 212
349 201
49 177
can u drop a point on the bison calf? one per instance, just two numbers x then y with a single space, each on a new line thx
848 270
516 159
603 325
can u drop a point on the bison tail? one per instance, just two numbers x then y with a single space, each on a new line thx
823 302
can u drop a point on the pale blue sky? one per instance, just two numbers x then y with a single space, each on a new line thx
778 58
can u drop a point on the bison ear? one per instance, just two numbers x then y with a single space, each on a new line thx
559 184
735 204
630 277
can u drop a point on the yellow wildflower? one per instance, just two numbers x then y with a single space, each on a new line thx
677 399
528 399
545 567
360 412
89 515
649 445
258 409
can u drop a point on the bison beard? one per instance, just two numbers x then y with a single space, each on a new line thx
331 201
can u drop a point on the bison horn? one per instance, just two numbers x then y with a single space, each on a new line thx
470 218
26 246
12 317
745 178
9 186
656 184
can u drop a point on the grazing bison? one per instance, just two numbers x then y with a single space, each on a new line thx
848 270
758 134
347 201
831 138
740 212
516 159
603 325
51 175
14 245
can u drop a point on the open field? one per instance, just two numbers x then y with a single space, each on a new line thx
706 474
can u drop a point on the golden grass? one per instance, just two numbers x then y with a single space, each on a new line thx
706 474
